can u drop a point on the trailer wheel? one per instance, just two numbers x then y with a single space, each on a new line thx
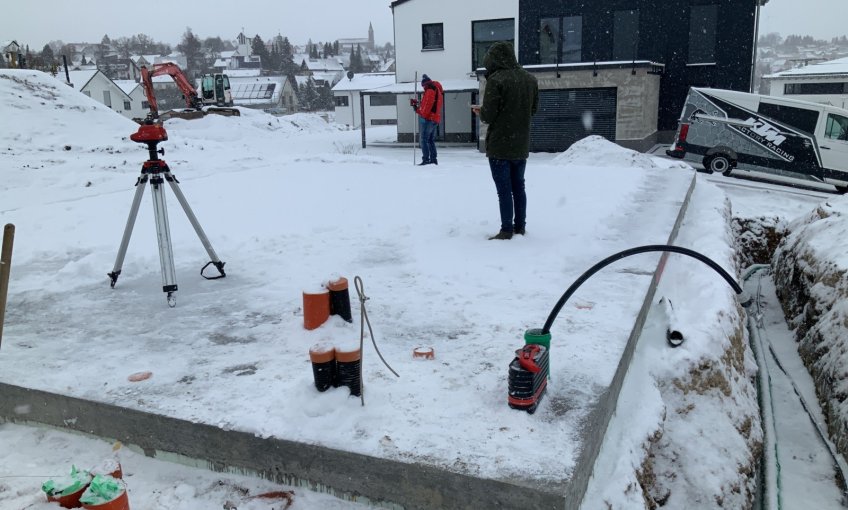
720 163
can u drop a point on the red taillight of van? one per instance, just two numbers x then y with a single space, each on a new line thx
677 151
684 132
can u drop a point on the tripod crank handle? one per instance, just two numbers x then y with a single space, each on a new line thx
218 265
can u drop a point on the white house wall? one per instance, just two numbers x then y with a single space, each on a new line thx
350 115
99 84
137 99
454 61
777 87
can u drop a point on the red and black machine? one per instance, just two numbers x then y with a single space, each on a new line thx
528 377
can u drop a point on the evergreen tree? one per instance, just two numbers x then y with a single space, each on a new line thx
287 64
313 51
258 48
308 97
47 55
106 41
336 48
325 98
83 62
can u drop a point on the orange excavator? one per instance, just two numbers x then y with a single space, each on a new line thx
215 96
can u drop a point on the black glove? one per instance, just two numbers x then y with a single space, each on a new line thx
413 103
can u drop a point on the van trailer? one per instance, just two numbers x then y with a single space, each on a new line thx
723 129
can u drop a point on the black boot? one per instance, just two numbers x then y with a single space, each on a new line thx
435 161
519 231
425 162
502 235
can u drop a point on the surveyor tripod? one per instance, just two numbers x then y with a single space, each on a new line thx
156 172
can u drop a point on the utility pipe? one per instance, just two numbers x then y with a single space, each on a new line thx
744 299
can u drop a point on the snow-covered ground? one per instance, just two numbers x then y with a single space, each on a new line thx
288 203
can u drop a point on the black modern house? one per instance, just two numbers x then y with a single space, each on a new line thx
622 68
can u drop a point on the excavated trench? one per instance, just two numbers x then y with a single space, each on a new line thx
808 291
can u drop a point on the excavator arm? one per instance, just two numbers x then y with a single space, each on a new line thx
174 71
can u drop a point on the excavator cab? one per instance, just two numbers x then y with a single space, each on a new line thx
215 89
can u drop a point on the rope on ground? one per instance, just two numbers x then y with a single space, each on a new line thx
363 320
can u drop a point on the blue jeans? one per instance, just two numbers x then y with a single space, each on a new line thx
428 140
508 175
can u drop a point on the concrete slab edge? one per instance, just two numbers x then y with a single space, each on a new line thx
355 477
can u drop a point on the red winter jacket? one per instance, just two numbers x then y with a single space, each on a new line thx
430 107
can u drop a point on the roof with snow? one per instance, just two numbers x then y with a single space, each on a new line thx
831 67
249 90
411 87
80 79
126 85
243 73
365 81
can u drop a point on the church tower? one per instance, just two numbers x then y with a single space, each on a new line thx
370 37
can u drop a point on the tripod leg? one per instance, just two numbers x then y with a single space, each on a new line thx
214 260
163 234
125 241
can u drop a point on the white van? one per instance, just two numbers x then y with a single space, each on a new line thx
724 128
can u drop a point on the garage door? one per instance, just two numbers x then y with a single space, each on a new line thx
567 115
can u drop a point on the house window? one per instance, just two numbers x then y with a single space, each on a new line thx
432 36
703 20
341 101
383 122
837 127
561 40
486 33
625 35
815 88
127 105
145 105
107 98
382 100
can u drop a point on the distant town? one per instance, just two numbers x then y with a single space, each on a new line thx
271 74
776 54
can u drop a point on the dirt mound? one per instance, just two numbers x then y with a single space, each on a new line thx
811 274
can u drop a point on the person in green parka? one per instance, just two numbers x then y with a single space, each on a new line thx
510 99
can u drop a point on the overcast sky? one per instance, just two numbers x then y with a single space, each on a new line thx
40 21
822 19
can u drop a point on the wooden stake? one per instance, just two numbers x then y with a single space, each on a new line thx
5 268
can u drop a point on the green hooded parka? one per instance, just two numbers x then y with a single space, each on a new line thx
510 99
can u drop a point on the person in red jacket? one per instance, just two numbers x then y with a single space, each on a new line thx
429 111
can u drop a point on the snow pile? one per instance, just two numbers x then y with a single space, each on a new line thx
688 432
597 151
81 123
811 274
